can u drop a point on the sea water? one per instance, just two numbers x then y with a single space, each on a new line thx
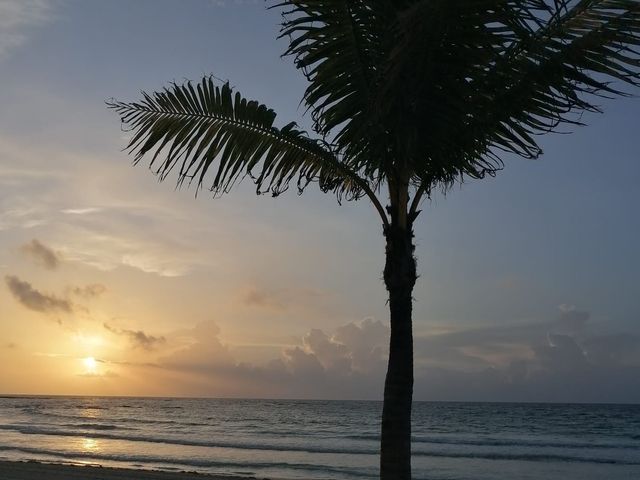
324 439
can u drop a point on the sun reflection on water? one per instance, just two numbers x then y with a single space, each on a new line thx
90 445
89 411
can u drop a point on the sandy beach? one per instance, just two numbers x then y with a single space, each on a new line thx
55 471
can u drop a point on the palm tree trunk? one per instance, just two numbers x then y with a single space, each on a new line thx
399 277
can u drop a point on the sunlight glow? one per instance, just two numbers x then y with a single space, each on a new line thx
88 340
90 445
90 364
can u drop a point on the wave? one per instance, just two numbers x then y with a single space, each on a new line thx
143 421
495 442
95 426
531 457
33 430
351 450
250 428
244 464
150 460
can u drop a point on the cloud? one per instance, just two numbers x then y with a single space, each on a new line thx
102 228
561 353
138 338
491 346
81 211
89 291
16 18
357 347
11 345
367 342
613 349
146 229
91 244
322 350
560 360
319 367
255 297
571 320
54 355
21 217
35 300
278 300
303 364
201 350
554 361
105 374
41 254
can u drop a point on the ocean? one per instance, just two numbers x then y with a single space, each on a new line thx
335 440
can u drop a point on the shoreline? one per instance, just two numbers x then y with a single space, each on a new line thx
37 470
45 396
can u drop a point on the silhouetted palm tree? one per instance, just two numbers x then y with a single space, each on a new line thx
406 97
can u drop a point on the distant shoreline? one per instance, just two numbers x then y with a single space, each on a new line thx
32 470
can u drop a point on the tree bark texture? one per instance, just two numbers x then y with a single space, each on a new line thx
399 278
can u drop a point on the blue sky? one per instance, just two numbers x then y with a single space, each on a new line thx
505 264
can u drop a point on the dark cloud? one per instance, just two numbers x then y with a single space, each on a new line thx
281 299
11 345
367 342
357 347
261 298
323 350
303 363
524 381
30 297
561 353
138 338
497 345
555 361
89 291
41 254
571 320
613 349
35 300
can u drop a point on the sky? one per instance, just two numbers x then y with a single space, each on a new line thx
114 284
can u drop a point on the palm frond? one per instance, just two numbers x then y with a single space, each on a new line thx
339 46
440 48
580 53
207 131
493 74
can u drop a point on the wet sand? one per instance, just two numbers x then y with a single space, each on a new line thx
55 471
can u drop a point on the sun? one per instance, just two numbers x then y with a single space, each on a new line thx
90 364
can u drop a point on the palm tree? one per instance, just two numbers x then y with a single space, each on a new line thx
406 97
